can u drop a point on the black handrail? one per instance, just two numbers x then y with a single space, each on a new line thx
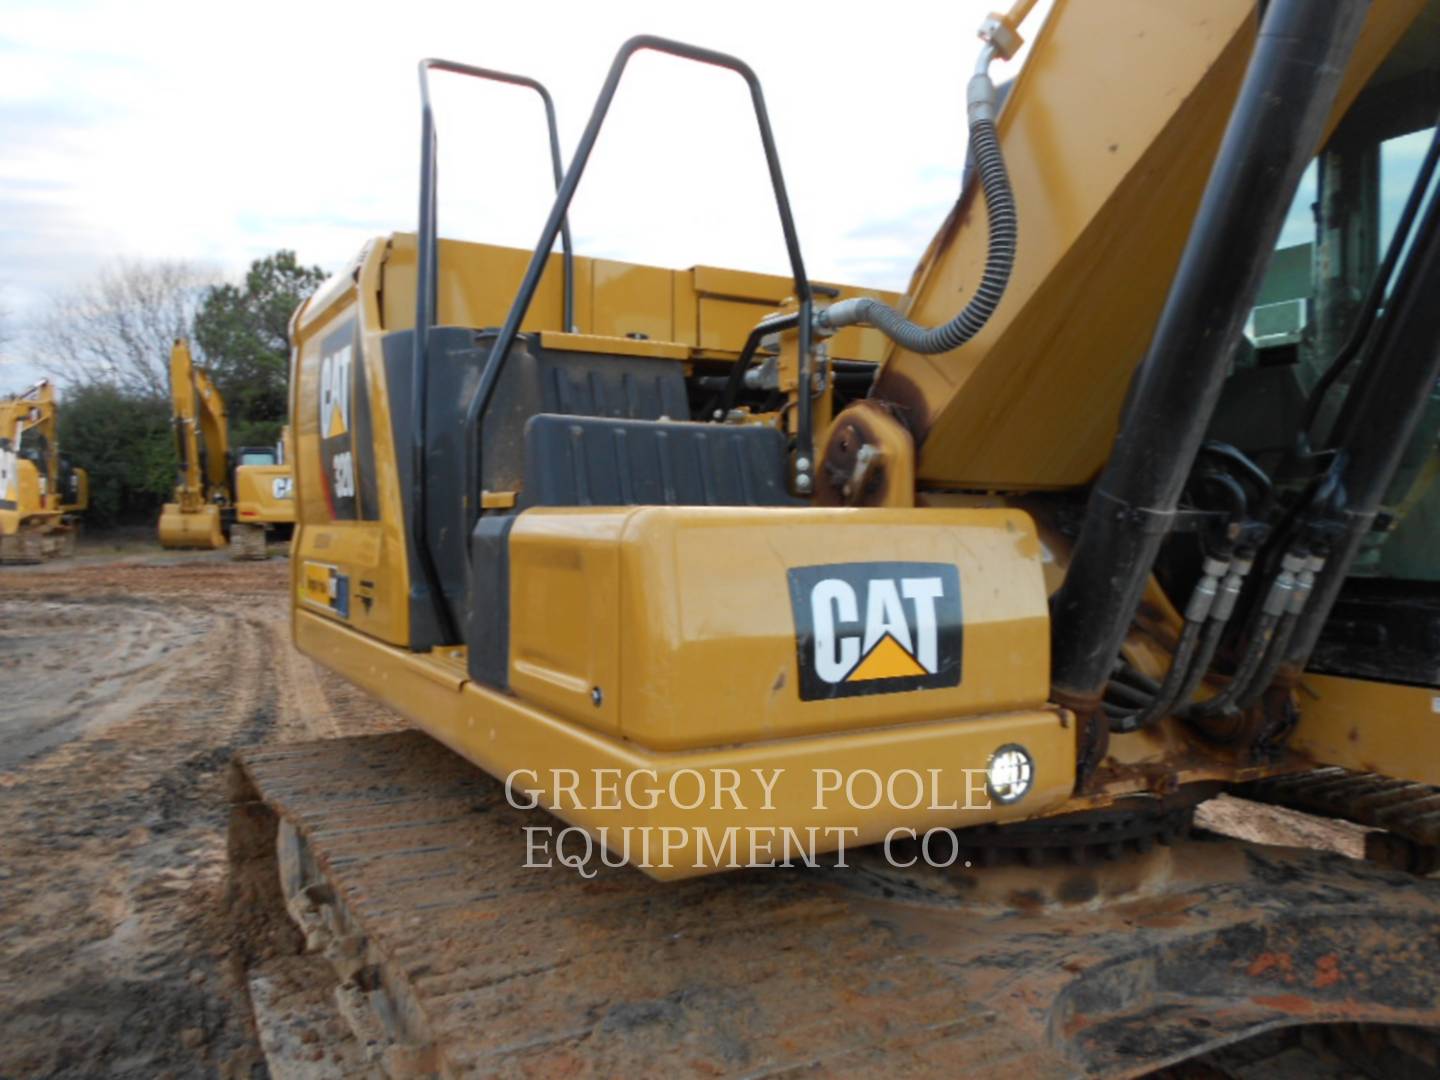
427 270
491 374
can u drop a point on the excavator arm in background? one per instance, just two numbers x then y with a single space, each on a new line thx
40 494
203 503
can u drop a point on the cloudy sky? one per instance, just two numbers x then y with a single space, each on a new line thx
221 133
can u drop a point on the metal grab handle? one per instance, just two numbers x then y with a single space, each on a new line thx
427 272
491 374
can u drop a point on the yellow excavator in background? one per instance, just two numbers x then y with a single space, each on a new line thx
41 491
213 503
955 616
264 503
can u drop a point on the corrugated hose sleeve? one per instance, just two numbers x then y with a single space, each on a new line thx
999 260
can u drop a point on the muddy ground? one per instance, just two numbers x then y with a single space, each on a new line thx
127 681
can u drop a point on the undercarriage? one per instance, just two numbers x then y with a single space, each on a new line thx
401 871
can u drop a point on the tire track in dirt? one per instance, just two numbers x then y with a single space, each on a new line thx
137 683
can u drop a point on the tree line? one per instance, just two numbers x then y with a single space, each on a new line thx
108 344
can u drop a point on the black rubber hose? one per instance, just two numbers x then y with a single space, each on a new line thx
1255 653
1209 646
999 261
1175 678
1375 297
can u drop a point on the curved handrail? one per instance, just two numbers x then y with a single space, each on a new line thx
427 271
491 373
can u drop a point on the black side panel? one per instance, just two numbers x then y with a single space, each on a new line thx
487 626
1384 630
532 381
573 384
398 352
365 439
585 461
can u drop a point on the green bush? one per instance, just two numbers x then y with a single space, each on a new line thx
127 446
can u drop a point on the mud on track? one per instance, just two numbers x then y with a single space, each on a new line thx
125 686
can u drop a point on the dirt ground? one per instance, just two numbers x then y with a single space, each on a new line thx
128 679
127 682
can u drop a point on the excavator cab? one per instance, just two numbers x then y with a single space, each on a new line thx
1326 286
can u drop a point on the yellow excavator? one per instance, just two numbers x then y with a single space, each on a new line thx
214 503
42 493
948 610
264 505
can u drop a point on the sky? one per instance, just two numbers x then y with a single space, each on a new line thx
221 133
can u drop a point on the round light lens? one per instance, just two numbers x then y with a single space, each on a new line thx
1010 773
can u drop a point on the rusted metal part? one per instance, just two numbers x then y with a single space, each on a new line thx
1092 735
1401 807
868 459
407 867
905 400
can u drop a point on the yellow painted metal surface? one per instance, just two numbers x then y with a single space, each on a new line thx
631 602
502 734
631 300
1370 726
32 499
263 495
197 527
703 308
1109 133
202 443
614 346
368 544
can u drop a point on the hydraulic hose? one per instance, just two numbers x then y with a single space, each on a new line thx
1197 611
1220 614
1304 586
999 259
1275 621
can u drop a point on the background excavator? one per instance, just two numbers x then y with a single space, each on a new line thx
42 493
1151 518
220 496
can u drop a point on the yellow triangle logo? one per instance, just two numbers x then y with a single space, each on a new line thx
337 422
887 660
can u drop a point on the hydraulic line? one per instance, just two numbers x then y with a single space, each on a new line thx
1197 611
999 260
1279 117
1275 611
1304 586
1220 614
